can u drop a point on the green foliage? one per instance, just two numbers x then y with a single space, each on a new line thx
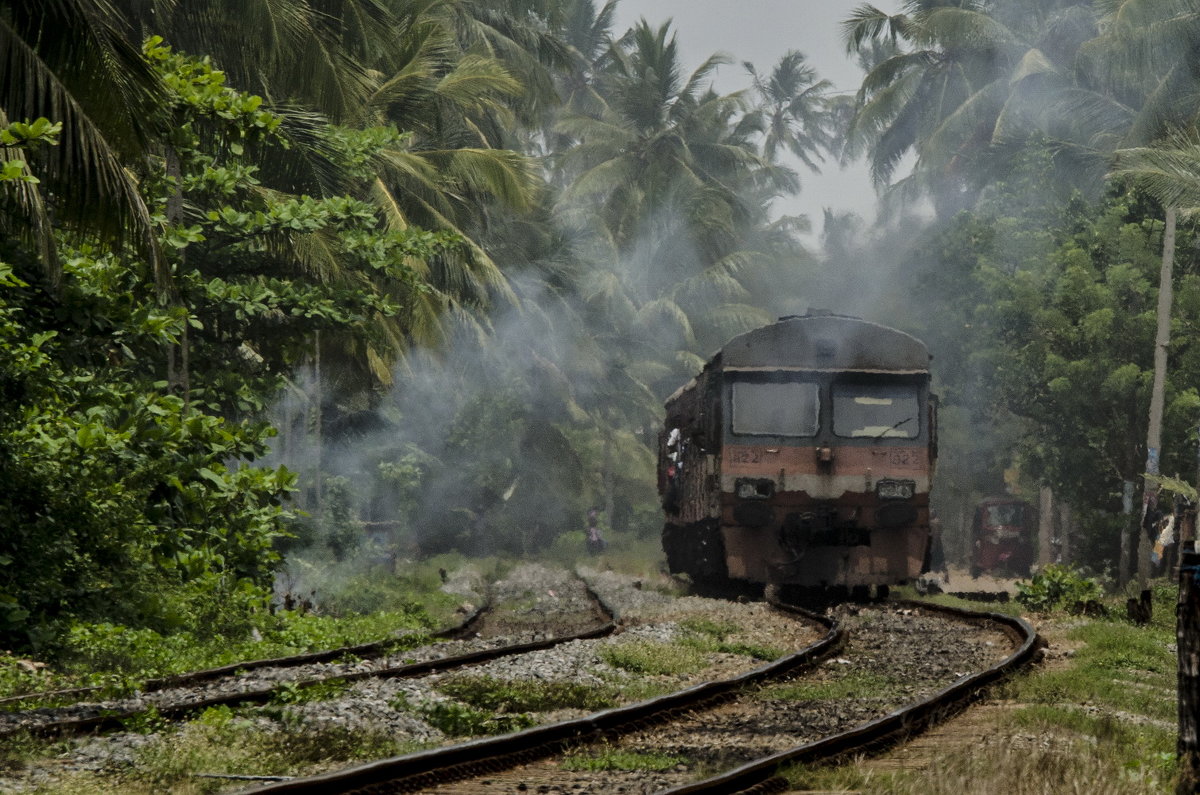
712 636
286 693
29 135
1057 586
653 658
19 675
458 720
616 759
95 653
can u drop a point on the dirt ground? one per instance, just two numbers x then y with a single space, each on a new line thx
959 580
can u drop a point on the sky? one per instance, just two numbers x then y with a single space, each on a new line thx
761 31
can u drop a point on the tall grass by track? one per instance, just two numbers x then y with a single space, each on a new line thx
1099 717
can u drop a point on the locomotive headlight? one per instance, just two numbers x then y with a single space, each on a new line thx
895 489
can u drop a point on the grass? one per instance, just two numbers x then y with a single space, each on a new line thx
851 683
527 695
226 743
653 658
713 636
460 720
996 765
1118 666
1100 720
296 693
620 760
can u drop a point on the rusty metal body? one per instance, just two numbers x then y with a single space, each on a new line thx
802 455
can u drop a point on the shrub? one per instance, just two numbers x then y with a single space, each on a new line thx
459 720
1057 586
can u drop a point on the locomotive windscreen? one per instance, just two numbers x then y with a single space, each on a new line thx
789 408
876 411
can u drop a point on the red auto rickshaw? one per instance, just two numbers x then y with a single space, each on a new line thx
1004 529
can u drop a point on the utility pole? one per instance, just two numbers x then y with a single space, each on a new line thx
1045 526
1187 638
1154 434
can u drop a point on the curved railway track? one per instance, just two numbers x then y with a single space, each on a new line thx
479 635
754 734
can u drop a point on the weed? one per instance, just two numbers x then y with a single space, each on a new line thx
620 760
707 644
998 763
653 658
148 721
713 636
705 626
525 695
299 693
839 686
21 747
460 720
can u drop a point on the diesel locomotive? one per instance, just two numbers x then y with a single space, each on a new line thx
802 455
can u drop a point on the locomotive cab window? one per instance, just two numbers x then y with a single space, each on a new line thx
775 408
876 411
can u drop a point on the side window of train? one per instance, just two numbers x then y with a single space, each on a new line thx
876 411
774 408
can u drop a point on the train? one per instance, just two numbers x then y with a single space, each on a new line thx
1003 533
802 456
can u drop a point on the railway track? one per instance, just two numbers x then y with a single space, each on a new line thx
489 633
734 734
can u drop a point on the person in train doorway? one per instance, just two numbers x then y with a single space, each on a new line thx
595 541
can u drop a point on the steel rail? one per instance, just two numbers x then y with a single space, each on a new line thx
762 775
118 719
364 651
464 760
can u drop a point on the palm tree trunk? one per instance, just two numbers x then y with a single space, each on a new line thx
608 478
1154 432
1045 526
1125 561
318 404
1065 522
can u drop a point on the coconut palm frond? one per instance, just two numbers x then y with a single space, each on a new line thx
1169 172
664 313
71 62
867 23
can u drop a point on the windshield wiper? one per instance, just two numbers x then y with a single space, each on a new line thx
894 427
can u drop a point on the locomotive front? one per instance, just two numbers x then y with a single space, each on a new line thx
817 439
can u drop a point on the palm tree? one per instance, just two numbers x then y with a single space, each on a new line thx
666 185
794 109
963 78
1169 171
75 62
317 53
1139 76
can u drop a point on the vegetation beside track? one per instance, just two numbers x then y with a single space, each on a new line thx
353 606
1098 715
